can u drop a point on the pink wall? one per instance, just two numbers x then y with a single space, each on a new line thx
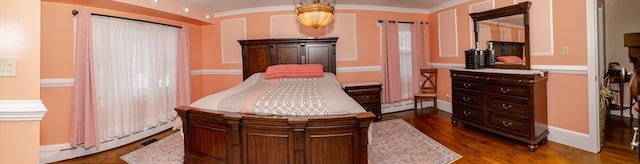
567 94
567 111
258 26
20 37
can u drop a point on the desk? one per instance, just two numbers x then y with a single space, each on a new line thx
620 106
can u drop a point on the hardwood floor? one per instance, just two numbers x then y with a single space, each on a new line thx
475 145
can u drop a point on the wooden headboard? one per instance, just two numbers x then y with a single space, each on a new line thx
508 48
257 55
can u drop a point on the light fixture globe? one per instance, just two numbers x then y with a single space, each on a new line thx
315 13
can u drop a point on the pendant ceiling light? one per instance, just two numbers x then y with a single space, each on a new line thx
315 13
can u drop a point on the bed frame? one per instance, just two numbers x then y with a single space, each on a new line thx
223 137
503 48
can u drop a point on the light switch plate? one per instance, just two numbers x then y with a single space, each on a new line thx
565 51
7 66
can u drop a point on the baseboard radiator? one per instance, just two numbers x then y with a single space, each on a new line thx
402 106
60 152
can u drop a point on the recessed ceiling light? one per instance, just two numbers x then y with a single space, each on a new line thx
185 9
207 16
155 2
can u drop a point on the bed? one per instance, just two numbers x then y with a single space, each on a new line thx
232 136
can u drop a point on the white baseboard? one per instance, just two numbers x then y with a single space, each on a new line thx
59 152
625 112
571 138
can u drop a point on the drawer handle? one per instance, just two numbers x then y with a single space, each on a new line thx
506 124
466 98
506 106
466 113
366 97
466 85
503 90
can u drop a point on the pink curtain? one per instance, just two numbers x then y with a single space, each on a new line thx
84 124
418 56
391 91
184 73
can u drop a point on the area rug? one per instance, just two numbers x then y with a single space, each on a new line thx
167 150
393 141
396 141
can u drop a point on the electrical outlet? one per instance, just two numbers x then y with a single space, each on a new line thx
565 51
7 66
447 96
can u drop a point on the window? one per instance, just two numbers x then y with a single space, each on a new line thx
404 40
135 75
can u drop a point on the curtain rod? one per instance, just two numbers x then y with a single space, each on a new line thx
75 12
380 21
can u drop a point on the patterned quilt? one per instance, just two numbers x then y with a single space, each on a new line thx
284 96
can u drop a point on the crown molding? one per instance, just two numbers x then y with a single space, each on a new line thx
338 7
446 5
380 8
254 10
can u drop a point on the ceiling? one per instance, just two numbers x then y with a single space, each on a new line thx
219 6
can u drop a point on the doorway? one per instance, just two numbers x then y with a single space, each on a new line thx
614 18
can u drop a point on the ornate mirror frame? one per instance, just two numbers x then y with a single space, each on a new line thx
520 8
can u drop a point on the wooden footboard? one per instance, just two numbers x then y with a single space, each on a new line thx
223 137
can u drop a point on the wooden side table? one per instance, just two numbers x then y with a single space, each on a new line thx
620 106
367 94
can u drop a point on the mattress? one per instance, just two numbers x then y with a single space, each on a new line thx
283 96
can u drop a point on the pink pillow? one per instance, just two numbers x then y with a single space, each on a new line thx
294 71
509 59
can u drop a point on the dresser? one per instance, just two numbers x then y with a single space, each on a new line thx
511 103
367 94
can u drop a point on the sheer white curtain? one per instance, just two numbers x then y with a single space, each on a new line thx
406 71
135 75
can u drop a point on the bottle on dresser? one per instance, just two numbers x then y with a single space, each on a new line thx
474 58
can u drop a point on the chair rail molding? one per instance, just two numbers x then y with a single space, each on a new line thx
22 110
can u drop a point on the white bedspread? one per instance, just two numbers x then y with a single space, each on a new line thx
256 95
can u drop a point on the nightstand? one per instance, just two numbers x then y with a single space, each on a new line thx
367 94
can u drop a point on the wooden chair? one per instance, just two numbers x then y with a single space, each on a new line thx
427 89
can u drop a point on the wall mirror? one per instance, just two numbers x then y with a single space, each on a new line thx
506 31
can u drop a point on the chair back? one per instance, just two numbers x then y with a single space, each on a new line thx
430 76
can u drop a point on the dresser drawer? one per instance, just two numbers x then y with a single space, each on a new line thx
366 98
508 90
467 98
509 106
467 113
468 85
509 124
